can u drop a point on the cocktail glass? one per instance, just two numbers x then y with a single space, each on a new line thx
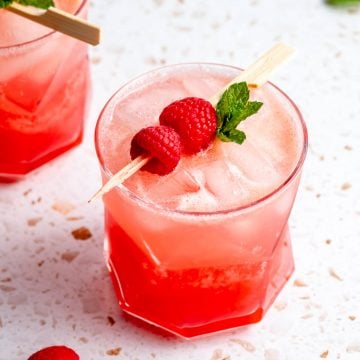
44 85
194 272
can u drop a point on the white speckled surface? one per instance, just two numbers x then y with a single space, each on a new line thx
54 289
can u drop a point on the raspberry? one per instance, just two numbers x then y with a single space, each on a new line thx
194 119
55 353
162 143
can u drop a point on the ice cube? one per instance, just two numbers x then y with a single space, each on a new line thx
223 180
22 91
257 169
164 190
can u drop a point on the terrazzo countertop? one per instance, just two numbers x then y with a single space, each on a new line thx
54 288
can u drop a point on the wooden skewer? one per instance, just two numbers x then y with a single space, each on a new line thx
259 72
130 169
255 75
61 21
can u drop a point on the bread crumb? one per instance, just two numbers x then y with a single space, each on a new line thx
27 192
280 305
352 317
95 60
299 283
218 355
81 233
345 186
113 352
271 354
353 348
69 255
111 320
74 218
353 10
34 221
307 316
348 147
324 354
63 207
6 288
327 241
245 344
334 274
150 60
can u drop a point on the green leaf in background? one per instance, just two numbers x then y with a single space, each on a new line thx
43 4
233 107
5 3
342 2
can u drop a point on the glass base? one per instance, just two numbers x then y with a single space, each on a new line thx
193 302
25 168
56 126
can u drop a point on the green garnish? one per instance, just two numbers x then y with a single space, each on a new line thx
342 2
42 4
5 3
233 108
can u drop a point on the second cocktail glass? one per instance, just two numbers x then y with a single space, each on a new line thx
44 84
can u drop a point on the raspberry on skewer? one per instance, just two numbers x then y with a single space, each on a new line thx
160 143
194 119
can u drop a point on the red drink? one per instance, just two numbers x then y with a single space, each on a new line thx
44 83
207 247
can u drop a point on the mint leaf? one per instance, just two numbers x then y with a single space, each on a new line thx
233 107
233 135
43 4
236 95
241 113
5 3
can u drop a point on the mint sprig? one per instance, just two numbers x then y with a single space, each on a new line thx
233 108
42 4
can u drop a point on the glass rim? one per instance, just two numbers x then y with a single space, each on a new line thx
38 39
125 191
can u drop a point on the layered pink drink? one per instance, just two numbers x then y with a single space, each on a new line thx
206 247
44 83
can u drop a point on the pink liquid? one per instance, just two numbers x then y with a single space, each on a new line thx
43 92
196 251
